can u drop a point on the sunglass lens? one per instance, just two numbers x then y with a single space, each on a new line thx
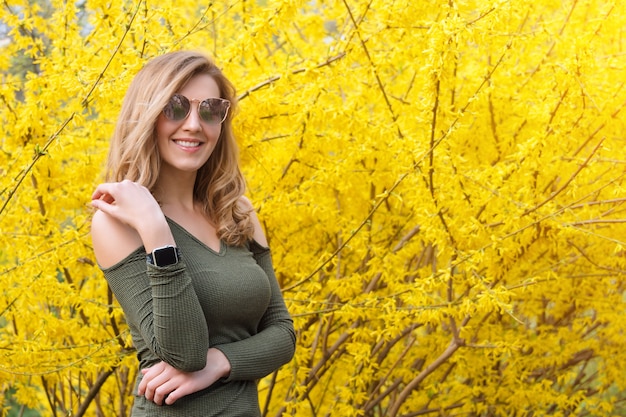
177 108
213 111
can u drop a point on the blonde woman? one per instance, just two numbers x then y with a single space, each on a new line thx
183 250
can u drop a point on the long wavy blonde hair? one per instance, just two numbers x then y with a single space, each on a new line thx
134 155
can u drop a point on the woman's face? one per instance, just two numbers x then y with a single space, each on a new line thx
185 145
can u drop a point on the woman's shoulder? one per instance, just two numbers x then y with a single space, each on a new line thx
112 240
245 203
259 234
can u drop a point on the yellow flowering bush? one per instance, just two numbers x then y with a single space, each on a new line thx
442 184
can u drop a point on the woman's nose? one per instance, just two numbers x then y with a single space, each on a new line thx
192 122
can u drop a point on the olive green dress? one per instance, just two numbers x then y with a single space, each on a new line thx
229 300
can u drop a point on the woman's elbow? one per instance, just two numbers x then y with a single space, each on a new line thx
184 361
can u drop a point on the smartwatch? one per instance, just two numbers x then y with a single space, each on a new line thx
165 256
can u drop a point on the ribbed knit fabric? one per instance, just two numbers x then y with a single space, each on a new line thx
228 300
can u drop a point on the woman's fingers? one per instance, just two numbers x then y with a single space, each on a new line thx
122 191
107 191
183 387
162 383
127 201
158 388
162 392
100 196
148 375
166 386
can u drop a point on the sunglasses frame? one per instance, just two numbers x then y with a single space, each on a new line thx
183 99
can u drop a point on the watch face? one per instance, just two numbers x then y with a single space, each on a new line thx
165 256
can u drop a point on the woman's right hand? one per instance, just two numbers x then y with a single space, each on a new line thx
132 205
128 202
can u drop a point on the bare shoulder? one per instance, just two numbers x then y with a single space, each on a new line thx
245 203
112 240
259 234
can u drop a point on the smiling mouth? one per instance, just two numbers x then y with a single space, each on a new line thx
187 144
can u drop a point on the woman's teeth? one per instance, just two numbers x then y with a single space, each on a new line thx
187 144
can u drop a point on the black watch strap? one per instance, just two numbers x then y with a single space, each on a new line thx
165 256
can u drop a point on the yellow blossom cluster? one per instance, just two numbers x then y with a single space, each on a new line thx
442 184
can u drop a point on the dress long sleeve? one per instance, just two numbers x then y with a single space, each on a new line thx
161 305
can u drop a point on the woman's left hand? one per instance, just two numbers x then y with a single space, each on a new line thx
164 384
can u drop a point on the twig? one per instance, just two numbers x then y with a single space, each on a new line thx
275 78
445 355
93 391
381 86
567 183
42 151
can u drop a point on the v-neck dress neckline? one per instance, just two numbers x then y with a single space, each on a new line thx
222 250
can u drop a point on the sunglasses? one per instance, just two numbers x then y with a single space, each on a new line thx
212 110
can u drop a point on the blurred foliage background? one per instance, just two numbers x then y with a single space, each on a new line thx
442 184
